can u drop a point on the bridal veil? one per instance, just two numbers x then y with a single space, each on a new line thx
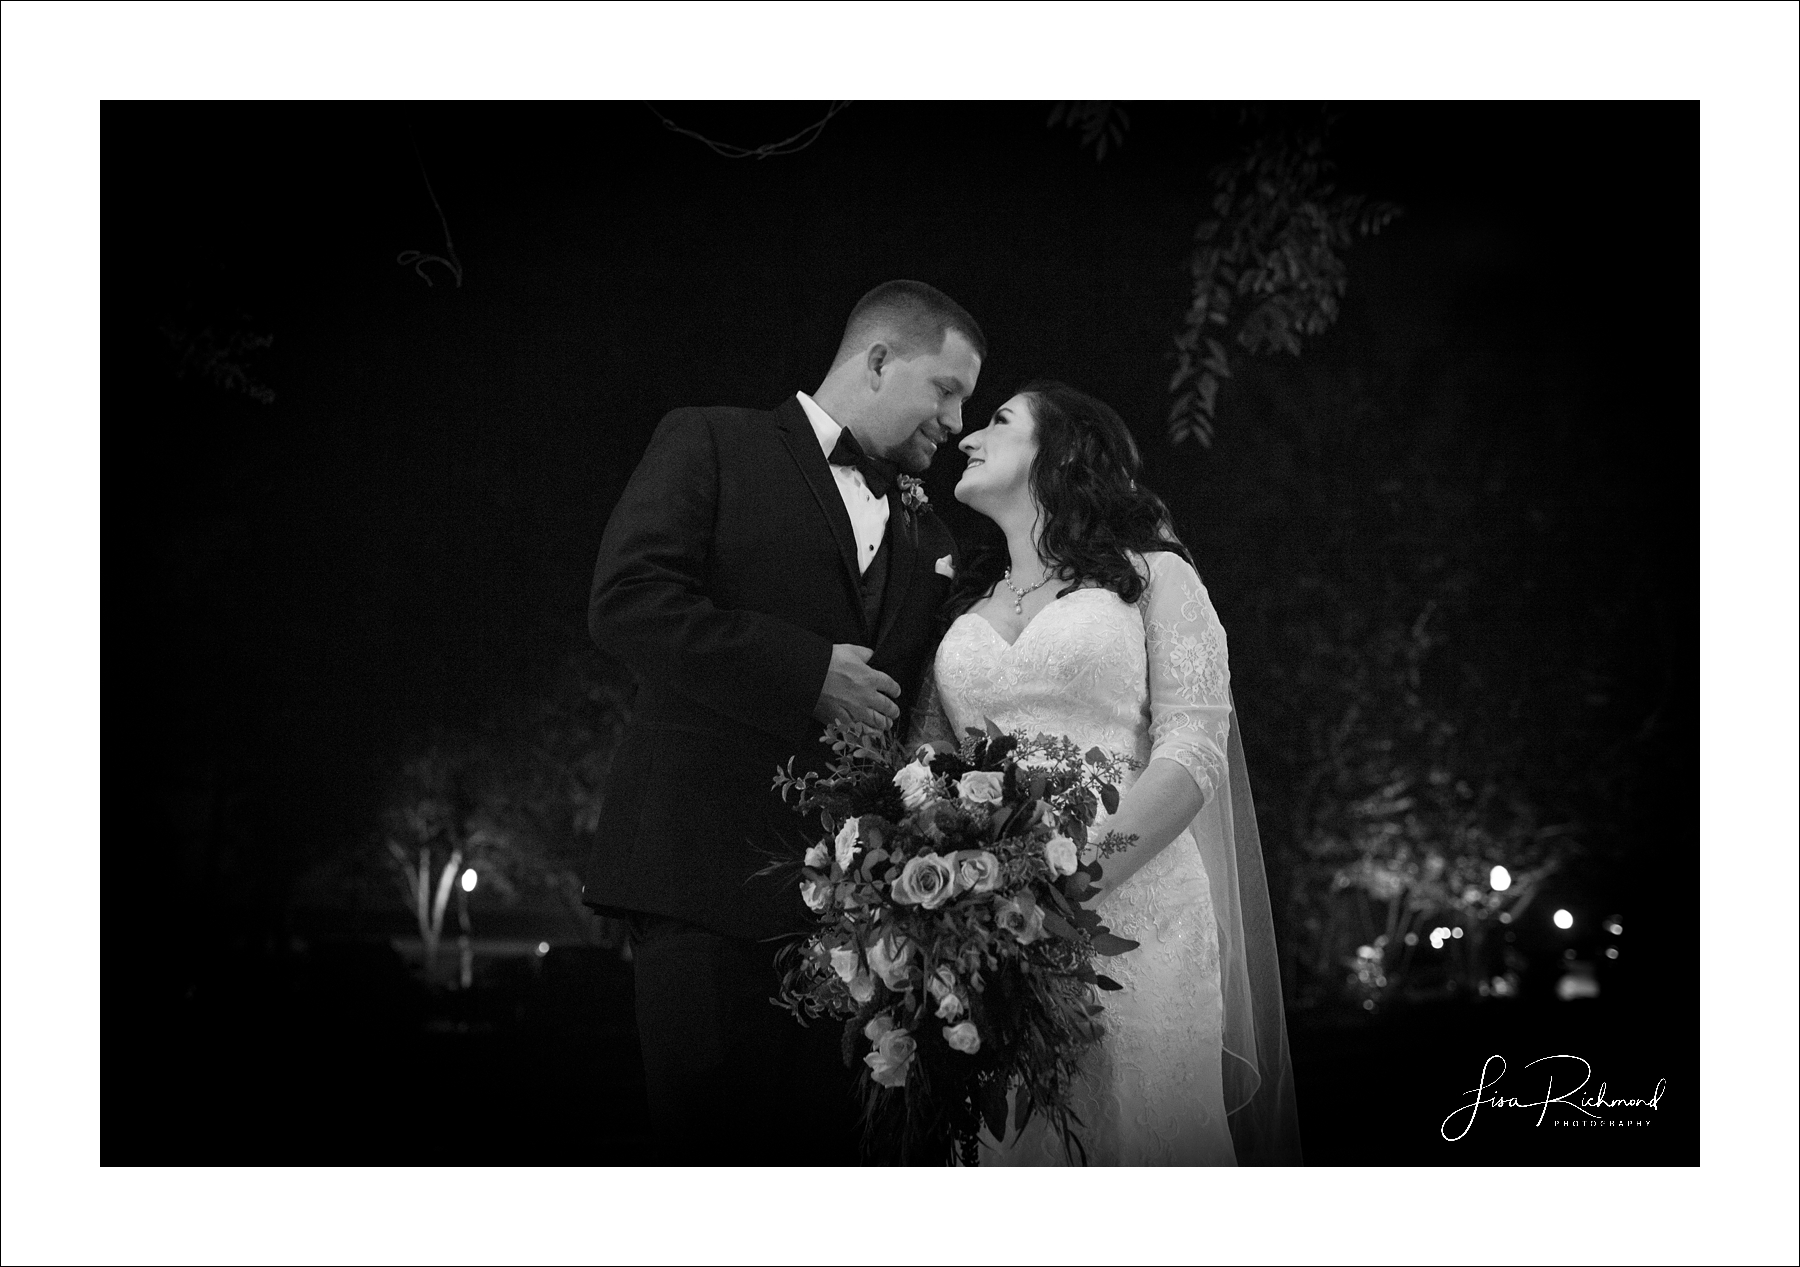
1258 1068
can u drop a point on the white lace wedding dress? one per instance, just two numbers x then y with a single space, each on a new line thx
1150 679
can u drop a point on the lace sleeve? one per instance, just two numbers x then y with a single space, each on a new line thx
1190 677
930 723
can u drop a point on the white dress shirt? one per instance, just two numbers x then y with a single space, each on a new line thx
868 513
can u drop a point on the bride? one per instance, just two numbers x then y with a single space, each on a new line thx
1091 622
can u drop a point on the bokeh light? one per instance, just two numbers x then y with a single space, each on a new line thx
1562 919
1500 879
1578 983
468 880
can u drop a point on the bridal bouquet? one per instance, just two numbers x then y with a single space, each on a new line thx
954 937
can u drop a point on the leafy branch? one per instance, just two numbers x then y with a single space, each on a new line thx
220 353
1102 123
1267 267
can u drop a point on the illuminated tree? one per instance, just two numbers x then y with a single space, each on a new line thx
514 802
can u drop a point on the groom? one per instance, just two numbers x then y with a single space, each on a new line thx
763 574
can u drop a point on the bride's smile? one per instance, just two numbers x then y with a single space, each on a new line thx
1000 457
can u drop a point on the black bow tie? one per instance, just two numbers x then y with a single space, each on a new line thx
877 473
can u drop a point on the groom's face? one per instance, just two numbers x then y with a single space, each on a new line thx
917 404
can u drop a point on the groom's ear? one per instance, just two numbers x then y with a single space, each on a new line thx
878 358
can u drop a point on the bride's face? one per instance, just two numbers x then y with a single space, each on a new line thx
1000 457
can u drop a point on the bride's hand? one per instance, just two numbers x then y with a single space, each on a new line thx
1155 809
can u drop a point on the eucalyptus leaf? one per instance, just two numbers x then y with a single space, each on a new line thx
993 1107
1113 944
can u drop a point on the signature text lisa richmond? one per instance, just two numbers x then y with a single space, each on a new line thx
1577 1105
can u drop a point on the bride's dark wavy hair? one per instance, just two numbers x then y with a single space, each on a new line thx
1096 511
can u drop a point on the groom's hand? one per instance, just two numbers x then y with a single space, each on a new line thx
855 693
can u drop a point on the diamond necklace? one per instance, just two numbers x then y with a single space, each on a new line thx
1019 594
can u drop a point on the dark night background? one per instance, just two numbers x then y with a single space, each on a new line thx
376 532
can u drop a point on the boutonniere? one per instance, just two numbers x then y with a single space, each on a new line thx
912 493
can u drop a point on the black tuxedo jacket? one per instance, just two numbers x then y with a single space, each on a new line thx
726 573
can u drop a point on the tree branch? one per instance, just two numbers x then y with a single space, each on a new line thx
775 149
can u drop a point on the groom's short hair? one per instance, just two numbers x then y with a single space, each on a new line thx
915 317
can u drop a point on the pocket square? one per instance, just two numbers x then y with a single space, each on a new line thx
944 568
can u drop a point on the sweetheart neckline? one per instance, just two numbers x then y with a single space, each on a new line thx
1085 589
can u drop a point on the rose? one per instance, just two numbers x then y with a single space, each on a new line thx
912 495
816 856
889 956
981 787
964 1037
1059 852
927 880
843 962
977 871
1021 917
877 1027
942 987
915 784
862 987
815 893
892 1057
846 843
